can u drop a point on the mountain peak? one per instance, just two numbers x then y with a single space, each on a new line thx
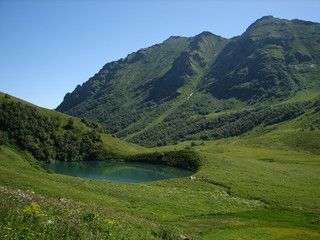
205 33
268 17
266 21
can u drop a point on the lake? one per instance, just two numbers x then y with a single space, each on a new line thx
118 171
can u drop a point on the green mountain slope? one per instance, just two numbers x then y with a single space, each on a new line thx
273 59
175 90
140 90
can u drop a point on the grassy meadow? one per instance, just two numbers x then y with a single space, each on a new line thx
262 185
241 192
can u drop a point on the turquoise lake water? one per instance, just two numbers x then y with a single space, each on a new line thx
118 171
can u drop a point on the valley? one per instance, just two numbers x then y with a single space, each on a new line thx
265 184
242 114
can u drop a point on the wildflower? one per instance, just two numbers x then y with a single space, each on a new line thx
108 221
33 210
50 222
7 228
75 221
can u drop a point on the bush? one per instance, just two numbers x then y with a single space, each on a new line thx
3 138
184 159
167 233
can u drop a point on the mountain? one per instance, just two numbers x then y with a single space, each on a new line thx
205 87
274 58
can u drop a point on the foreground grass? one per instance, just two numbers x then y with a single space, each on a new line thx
238 193
159 204
27 215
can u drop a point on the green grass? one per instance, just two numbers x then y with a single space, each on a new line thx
278 165
263 185
266 224
260 233
241 191
121 148
29 215
163 202
304 95
278 178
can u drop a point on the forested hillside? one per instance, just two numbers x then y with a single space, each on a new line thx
53 136
220 126
48 137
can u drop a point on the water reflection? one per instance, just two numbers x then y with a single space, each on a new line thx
118 171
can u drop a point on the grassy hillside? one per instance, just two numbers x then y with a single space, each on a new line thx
137 93
262 185
272 60
51 135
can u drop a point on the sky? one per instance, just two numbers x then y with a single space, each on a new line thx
48 47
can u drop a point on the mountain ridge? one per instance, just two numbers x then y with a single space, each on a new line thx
190 77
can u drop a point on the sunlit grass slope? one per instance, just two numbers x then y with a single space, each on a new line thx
278 165
262 185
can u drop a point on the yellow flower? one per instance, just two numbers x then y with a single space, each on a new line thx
33 210
108 221
7 228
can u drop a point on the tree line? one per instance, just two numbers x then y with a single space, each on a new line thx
182 128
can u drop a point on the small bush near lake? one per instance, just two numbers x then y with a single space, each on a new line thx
184 159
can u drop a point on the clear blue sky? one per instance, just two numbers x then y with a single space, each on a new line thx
47 47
